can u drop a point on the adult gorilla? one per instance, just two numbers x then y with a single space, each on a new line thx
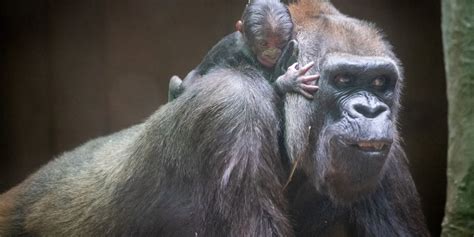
351 178
209 163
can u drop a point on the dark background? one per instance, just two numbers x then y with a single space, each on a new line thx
74 70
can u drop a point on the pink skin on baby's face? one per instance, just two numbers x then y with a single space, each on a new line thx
269 50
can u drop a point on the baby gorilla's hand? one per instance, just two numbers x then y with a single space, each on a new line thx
294 80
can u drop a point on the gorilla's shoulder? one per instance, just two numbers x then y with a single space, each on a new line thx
224 83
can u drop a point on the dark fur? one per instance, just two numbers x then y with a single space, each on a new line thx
177 174
230 52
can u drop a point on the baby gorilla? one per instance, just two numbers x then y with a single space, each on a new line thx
265 31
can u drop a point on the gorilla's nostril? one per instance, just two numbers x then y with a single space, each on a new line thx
369 111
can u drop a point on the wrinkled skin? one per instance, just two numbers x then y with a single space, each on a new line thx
358 132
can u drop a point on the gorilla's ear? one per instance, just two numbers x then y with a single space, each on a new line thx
298 111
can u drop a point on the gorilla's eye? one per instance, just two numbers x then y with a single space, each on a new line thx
380 82
342 80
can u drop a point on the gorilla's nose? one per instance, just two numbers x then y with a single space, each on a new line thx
367 109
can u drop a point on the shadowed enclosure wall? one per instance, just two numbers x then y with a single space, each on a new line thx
75 70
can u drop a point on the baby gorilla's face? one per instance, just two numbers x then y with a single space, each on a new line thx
268 49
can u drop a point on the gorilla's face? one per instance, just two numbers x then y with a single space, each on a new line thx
354 117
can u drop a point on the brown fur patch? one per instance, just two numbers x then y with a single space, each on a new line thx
7 208
336 31
304 10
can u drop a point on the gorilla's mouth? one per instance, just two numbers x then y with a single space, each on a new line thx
369 147
267 62
356 165
372 146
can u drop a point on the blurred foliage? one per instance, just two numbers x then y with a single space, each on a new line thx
458 37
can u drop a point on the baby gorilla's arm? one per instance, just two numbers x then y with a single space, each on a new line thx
294 80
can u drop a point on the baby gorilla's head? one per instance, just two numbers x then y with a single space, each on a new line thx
267 28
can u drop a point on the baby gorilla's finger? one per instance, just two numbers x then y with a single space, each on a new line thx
309 88
305 94
293 67
305 68
309 78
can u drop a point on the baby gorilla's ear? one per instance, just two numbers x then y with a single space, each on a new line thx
239 26
288 57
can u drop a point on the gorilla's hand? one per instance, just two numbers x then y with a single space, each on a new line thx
295 80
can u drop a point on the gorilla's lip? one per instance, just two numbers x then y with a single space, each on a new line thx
371 146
